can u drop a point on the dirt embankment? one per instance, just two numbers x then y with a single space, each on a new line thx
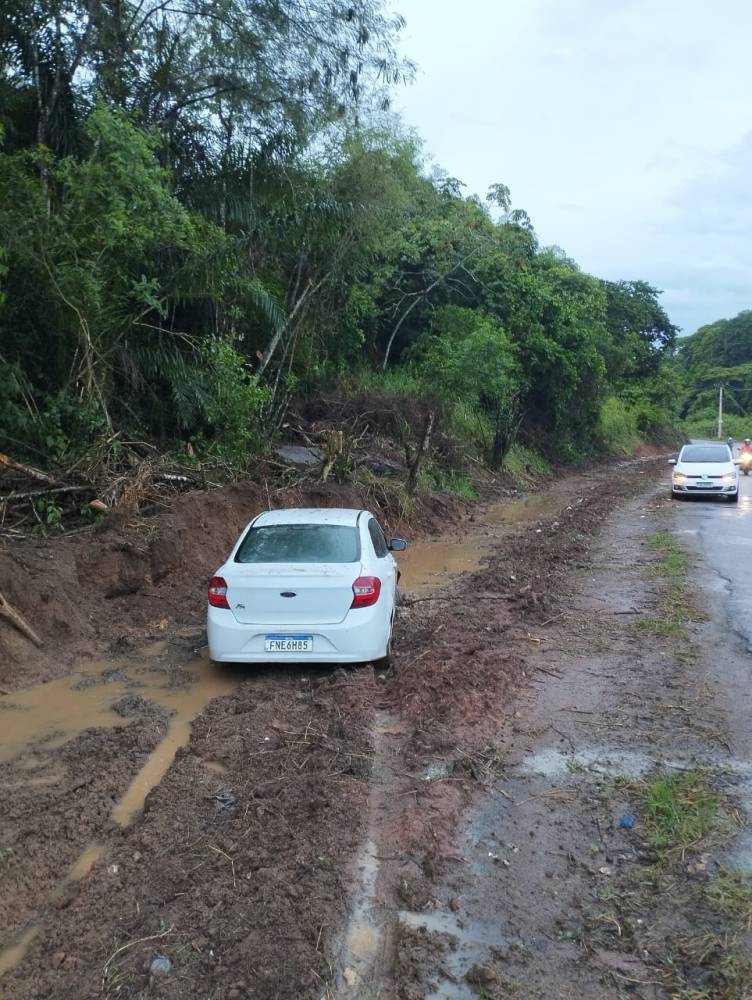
108 587
240 867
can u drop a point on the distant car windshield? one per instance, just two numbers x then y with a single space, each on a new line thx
300 543
705 453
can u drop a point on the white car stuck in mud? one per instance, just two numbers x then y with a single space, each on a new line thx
315 586
705 470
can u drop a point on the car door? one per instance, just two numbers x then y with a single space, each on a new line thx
387 567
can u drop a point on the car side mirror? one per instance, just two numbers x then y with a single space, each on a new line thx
397 544
672 461
736 461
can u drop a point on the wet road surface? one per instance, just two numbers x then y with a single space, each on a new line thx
724 534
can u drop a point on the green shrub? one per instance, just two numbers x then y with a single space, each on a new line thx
523 465
618 429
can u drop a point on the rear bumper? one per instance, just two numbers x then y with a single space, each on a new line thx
362 636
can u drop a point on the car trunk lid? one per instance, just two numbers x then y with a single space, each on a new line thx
306 594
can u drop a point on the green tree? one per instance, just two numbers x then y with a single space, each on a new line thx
471 358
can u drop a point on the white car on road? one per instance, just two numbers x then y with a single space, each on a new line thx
705 469
315 586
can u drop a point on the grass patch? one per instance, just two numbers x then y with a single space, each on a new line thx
673 561
452 482
573 766
719 967
731 895
677 610
681 811
523 465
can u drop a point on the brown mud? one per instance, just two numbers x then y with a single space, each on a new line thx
259 828
550 891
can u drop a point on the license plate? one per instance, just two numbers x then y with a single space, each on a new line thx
288 644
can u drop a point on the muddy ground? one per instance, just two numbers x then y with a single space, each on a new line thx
304 835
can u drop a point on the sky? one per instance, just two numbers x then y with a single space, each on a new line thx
623 127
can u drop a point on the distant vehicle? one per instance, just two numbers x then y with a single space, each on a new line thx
705 469
314 586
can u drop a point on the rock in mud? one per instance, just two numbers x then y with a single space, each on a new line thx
160 966
381 466
297 454
132 705
226 800
482 975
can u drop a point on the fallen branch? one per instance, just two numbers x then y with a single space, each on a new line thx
549 620
28 470
15 618
33 494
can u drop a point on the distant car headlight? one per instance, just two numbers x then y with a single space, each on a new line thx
679 477
729 477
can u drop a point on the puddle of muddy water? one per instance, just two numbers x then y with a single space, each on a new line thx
85 862
551 762
47 716
472 943
364 936
11 956
54 713
431 564
185 704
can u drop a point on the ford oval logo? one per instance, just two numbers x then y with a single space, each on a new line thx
288 593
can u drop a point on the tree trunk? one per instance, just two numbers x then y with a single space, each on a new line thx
414 471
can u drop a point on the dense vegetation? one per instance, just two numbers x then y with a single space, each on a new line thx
718 354
208 215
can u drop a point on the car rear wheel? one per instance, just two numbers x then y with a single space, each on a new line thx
384 662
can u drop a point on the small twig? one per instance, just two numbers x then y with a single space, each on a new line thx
549 620
16 618
131 944
551 673
232 863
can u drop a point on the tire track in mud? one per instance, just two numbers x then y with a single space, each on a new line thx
553 858
395 923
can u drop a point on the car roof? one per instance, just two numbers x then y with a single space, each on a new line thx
706 444
310 515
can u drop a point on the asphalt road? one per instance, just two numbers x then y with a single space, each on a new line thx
724 534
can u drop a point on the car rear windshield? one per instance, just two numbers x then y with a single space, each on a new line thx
300 543
705 453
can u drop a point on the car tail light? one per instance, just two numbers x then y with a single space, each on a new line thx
218 592
366 590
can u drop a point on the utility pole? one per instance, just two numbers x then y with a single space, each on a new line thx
720 411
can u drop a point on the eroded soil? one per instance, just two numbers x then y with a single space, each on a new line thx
295 835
